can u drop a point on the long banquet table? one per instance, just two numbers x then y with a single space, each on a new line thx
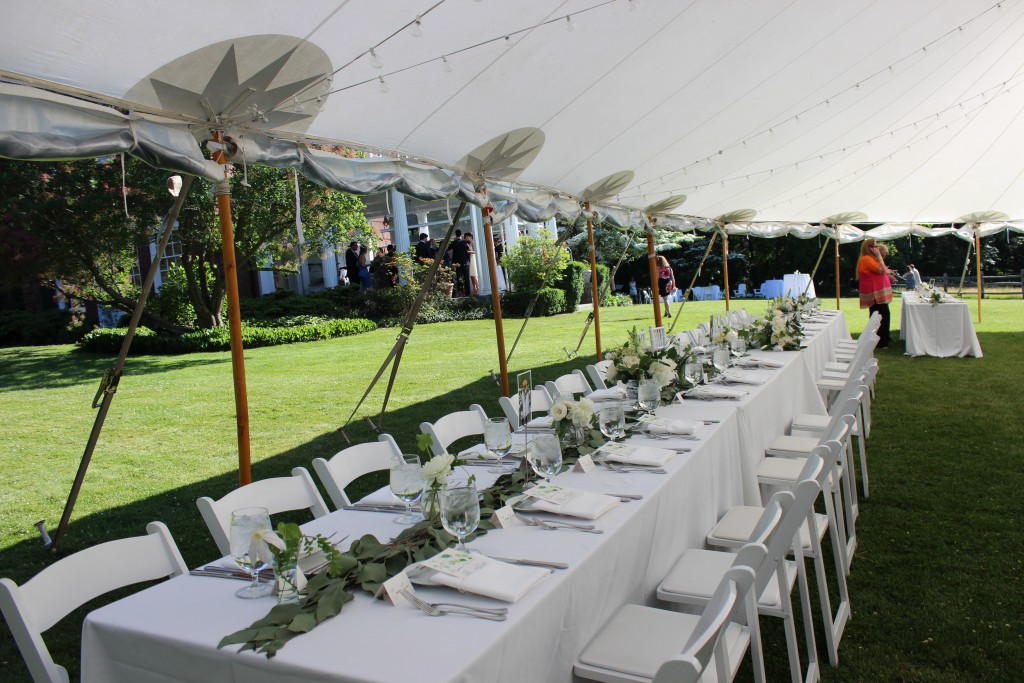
942 330
169 632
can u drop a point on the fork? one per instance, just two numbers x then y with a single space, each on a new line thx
432 609
625 469
555 525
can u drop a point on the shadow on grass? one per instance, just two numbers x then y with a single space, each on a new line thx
40 368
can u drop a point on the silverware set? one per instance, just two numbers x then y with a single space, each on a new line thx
623 468
556 524
440 609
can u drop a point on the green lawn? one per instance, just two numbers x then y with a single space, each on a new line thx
936 588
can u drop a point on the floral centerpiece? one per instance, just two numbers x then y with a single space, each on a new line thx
724 334
435 473
281 549
779 328
929 294
635 361
575 422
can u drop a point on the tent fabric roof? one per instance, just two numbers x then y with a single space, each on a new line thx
799 109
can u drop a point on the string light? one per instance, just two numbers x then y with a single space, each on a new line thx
633 5
445 64
509 42
417 27
569 26
384 87
375 61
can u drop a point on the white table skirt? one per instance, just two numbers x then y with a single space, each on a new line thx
942 330
169 632
794 285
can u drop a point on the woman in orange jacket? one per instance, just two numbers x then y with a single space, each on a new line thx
875 286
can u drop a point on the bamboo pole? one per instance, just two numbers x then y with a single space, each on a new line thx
977 257
595 293
499 329
836 228
227 240
725 264
653 268
810 280
112 377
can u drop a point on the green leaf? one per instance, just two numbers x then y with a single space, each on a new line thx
373 572
304 623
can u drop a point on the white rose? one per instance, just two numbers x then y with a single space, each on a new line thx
586 404
260 544
611 373
630 362
437 469
559 411
611 355
731 336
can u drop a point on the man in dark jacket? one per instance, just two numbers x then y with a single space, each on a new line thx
424 252
352 262
460 260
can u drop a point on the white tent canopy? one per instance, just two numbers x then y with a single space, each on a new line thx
796 108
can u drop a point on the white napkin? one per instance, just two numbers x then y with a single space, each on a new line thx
381 496
668 426
707 392
476 452
586 505
734 378
637 455
758 363
616 393
498 580
542 422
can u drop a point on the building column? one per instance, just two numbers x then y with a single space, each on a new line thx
399 222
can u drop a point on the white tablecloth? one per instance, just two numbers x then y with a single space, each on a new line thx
942 330
772 289
169 632
712 293
794 284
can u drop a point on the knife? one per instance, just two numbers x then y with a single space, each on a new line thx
532 563
375 508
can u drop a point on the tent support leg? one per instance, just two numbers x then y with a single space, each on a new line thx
594 294
977 257
653 268
499 328
725 264
836 227
693 281
112 376
817 263
963 275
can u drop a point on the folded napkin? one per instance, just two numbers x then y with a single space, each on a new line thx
542 422
476 452
636 455
381 497
498 580
668 426
758 363
733 378
616 393
706 393
585 505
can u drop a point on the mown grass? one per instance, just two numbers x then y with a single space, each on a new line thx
935 588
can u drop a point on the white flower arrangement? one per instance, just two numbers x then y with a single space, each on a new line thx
436 470
779 328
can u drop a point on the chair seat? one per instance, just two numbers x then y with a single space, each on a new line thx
638 639
698 572
738 524
792 446
815 425
837 366
779 470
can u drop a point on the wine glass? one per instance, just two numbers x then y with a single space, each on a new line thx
739 346
245 522
407 486
612 421
694 373
720 359
649 396
545 455
460 512
498 440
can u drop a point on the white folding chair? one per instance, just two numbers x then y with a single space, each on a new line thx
349 464
278 494
599 374
659 340
695 574
53 593
540 402
569 385
738 524
642 643
454 426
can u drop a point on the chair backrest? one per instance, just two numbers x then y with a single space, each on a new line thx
62 587
540 402
800 503
571 384
353 462
706 637
599 373
278 494
454 426
659 340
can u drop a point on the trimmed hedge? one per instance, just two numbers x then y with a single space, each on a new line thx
147 342
572 283
21 328
614 300
550 302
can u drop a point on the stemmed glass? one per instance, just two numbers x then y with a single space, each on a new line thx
649 396
720 359
739 346
694 373
245 522
612 421
460 512
498 440
545 455
407 486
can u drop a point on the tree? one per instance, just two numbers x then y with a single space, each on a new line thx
66 221
533 260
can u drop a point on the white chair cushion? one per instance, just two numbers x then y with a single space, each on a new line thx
792 446
738 524
838 366
697 573
780 469
638 639
811 423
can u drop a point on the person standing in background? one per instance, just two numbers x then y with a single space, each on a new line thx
352 263
666 282
875 286
474 278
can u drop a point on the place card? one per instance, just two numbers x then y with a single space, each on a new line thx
505 517
395 586
584 464
455 563
552 493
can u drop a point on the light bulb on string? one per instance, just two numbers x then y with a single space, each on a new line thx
384 87
416 30
445 64
509 41
569 26
634 5
375 61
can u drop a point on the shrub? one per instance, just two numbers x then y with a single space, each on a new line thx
21 328
615 300
218 339
550 301
172 301
572 283
533 260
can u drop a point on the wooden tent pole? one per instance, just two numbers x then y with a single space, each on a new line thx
817 263
499 329
977 257
725 264
595 292
653 268
836 228
227 240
